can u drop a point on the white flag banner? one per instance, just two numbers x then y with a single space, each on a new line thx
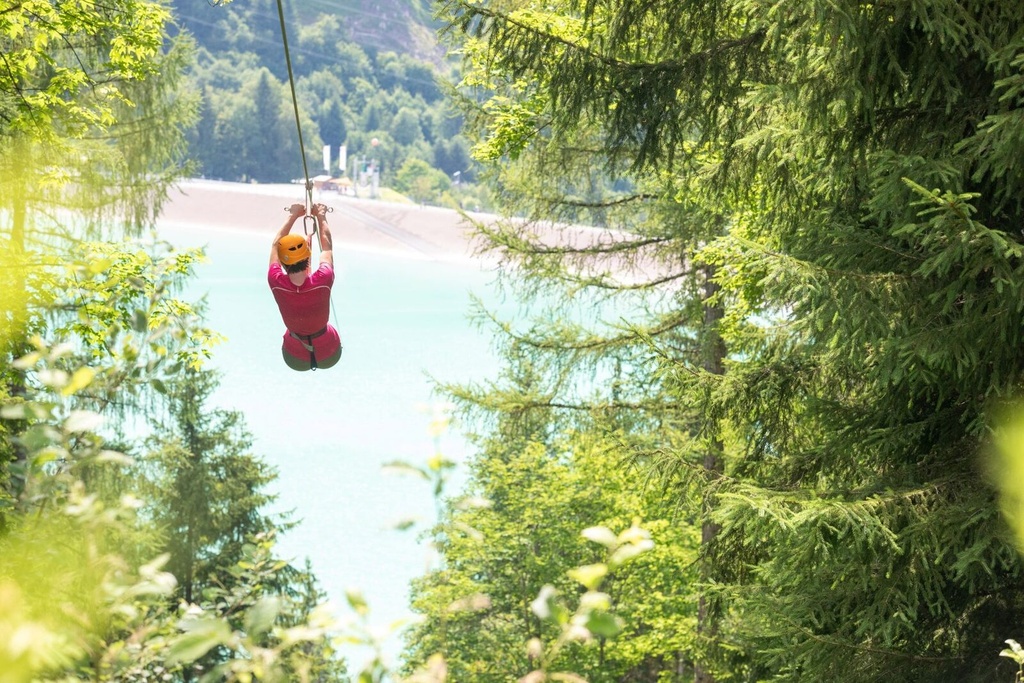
327 158
343 159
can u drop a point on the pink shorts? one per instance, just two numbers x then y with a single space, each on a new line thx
326 348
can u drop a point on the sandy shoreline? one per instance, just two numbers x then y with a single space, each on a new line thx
399 230
356 223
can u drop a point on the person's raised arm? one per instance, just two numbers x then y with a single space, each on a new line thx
326 241
294 211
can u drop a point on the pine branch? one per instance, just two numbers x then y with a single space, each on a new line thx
510 240
599 205
609 283
594 343
835 642
691 60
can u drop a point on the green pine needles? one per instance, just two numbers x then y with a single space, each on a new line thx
837 190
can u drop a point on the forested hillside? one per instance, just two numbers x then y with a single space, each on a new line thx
363 72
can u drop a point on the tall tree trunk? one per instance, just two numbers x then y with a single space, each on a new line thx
16 344
189 417
714 356
16 276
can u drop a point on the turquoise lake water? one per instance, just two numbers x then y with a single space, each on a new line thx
328 433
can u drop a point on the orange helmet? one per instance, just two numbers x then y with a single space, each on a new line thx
291 249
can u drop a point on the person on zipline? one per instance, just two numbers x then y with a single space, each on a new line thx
304 298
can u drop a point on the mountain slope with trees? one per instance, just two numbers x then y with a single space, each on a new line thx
361 75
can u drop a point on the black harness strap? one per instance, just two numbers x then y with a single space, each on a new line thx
307 341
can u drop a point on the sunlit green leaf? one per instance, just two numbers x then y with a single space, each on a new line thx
80 379
15 411
404 524
82 421
140 321
260 617
543 604
625 553
602 535
357 602
603 624
399 467
200 636
589 575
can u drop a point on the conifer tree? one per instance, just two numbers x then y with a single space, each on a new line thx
644 293
333 129
269 140
865 160
205 488
534 487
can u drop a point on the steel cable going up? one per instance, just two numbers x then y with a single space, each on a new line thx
302 146
295 105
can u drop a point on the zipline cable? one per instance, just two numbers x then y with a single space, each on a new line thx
302 146
295 106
